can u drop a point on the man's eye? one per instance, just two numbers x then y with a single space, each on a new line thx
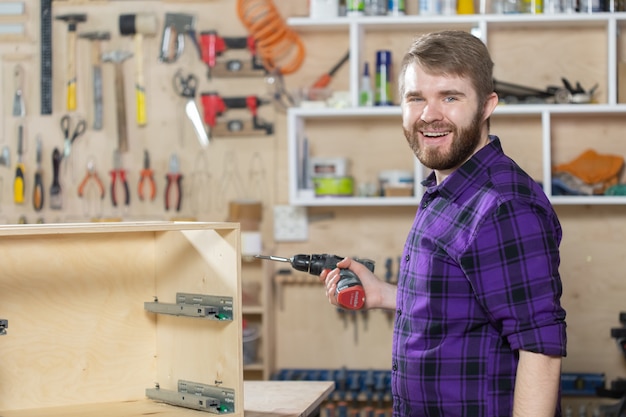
450 99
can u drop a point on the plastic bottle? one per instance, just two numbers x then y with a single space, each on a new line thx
396 7
383 79
356 7
366 95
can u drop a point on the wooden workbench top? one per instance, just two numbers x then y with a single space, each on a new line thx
261 399
284 398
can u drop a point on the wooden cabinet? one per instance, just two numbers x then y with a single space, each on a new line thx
530 50
82 338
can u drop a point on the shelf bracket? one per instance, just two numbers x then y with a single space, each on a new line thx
195 305
4 324
197 396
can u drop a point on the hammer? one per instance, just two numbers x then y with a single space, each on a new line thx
96 38
118 57
72 20
139 25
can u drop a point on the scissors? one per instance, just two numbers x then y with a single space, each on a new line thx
71 136
185 86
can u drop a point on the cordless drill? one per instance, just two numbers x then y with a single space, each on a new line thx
349 294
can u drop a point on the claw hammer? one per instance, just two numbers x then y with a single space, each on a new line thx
96 38
117 57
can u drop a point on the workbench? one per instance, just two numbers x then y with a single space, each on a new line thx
284 398
261 399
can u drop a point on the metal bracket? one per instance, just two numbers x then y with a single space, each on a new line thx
4 324
195 305
197 396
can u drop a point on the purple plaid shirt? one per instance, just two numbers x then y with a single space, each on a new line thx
478 281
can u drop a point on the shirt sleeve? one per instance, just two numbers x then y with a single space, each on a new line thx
512 264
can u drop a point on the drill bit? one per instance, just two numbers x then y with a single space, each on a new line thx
273 258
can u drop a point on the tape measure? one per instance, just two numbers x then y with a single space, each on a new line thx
46 56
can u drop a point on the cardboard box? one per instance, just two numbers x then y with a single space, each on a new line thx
80 341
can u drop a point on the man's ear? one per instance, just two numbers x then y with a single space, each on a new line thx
490 104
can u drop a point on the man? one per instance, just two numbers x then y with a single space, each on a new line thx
479 328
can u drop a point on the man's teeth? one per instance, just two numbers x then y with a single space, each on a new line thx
435 134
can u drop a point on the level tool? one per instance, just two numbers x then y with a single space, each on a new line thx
46 57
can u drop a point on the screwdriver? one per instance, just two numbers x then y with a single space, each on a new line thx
18 184
349 293
324 80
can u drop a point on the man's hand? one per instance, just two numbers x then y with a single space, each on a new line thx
378 294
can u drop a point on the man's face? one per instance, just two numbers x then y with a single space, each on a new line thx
442 120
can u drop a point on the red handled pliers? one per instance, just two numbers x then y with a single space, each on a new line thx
119 173
146 177
174 180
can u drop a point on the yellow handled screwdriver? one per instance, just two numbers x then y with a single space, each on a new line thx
18 185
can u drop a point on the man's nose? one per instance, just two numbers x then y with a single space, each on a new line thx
431 112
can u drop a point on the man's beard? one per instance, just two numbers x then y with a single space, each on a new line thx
463 146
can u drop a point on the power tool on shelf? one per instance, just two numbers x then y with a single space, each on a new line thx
214 105
214 46
350 294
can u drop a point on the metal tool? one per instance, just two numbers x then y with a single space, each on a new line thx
56 200
18 184
185 86
174 183
176 26
72 21
349 294
146 178
38 193
117 58
91 176
70 135
213 46
138 26
215 106
45 14
96 39
19 108
119 174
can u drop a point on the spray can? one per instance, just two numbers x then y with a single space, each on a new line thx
396 7
383 79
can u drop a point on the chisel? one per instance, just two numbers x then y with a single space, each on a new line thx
18 184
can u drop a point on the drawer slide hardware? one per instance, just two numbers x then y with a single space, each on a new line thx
195 305
4 324
197 396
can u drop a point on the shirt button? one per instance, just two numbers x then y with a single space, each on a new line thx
399 312
394 366
425 204
406 258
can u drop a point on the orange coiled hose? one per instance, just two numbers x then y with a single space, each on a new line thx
279 47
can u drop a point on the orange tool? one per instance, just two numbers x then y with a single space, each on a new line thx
91 175
146 176
324 80
174 181
119 173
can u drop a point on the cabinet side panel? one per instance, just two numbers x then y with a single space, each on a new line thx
202 261
77 329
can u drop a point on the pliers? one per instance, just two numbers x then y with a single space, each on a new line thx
119 172
174 180
146 176
91 175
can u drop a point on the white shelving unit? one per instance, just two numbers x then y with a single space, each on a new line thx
480 25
